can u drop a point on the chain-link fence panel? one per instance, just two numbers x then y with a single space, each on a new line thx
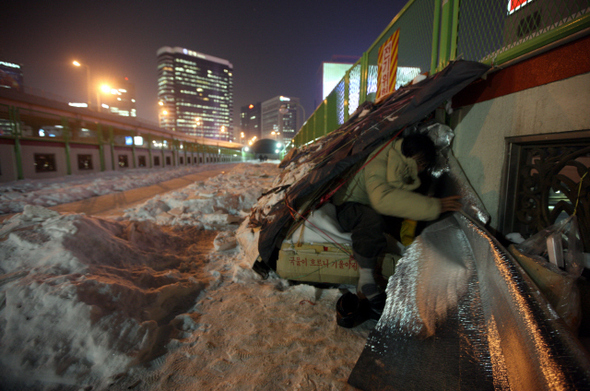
354 88
414 47
489 29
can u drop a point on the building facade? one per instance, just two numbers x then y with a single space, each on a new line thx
195 93
250 122
11 76
280 118
119 99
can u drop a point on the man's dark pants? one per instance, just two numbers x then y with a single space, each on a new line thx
367 228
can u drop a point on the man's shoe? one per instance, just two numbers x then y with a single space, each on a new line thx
351 311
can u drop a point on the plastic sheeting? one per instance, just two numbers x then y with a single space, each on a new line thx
461 314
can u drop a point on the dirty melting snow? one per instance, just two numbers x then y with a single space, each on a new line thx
163 298
54 191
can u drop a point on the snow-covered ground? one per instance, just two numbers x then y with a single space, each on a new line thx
54 191
163 298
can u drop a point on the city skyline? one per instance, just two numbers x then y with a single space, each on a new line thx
276 49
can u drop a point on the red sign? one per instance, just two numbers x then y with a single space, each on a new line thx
514 5
387 66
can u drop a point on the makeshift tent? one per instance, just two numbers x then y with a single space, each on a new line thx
332 157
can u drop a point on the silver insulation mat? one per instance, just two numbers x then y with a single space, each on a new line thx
461 314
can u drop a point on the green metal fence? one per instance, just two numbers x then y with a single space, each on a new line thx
491 32
435 32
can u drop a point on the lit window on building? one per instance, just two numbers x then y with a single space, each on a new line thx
123 161
45 162
85 162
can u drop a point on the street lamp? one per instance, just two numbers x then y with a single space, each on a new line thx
76 63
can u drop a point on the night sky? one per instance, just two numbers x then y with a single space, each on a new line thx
276 47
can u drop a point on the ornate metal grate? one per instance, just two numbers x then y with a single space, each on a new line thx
547 182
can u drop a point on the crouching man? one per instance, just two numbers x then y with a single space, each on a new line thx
384 189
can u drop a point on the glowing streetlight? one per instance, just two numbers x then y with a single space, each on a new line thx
78 64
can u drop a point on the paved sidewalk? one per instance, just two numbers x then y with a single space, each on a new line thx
114 204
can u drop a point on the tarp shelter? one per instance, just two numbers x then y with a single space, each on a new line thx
370 126
461 314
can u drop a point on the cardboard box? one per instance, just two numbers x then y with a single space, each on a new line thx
324 262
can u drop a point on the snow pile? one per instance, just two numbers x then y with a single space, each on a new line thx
50 192
214 204
84 300
83 297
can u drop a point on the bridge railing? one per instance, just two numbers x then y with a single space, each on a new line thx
20 125
434 32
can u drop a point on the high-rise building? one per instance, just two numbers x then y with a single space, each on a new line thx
250 121
331 73
195 92
279 118
119 99
11 76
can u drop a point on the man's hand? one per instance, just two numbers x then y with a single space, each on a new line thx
450 204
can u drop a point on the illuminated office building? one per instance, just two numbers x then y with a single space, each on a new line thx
279 118
250 121
119 99
331 73
195 93
11 76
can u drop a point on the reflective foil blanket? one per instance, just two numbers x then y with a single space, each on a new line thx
461 314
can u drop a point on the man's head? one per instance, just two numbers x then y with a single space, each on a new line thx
421 148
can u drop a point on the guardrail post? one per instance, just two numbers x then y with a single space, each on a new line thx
454 31
435 36
66 133
149 143
100 146
112 143
163 154
448 32
346 94
14 115
364 78
445 28
133 148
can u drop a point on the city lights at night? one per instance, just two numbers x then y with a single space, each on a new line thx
119 44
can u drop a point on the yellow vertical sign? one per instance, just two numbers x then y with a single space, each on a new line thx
387 66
